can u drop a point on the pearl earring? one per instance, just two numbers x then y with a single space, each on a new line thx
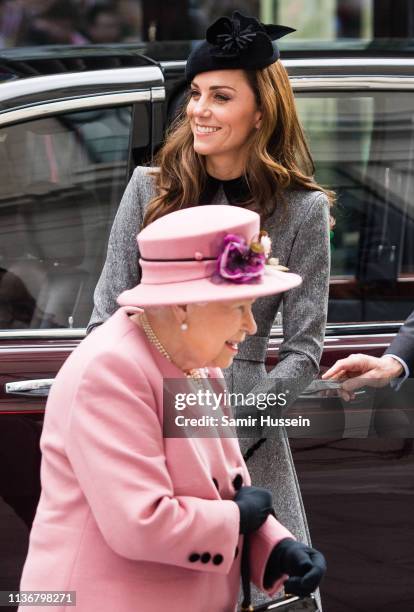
183 326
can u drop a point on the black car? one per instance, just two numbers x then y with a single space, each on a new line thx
74 122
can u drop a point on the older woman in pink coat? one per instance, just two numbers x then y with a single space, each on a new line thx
131 518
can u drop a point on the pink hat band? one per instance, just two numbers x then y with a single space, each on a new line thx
204 254
165 272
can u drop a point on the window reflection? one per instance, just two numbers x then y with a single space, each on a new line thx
364 149
62 180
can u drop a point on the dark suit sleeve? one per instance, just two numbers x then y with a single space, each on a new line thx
403 343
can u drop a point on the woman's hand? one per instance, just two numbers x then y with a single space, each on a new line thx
255 505
304 565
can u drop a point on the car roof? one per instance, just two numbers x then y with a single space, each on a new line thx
24 62
356 56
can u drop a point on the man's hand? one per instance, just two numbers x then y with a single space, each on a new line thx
364 370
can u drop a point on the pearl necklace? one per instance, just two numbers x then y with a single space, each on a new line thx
149 332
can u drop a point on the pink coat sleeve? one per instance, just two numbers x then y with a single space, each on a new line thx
115 446
262 543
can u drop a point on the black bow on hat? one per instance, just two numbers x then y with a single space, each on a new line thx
236 42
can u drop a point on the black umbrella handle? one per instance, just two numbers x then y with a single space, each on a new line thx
246 605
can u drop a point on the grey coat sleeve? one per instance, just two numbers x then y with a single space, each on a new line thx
305 308
121 270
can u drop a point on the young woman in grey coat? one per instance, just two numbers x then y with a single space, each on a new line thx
239 142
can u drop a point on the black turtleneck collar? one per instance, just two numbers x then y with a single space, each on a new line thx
236 190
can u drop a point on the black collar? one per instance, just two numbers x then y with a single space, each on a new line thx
236 190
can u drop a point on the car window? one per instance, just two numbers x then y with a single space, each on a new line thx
62 179
363 146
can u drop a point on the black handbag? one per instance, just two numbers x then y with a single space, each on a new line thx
288 603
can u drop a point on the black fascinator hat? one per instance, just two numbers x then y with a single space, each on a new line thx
236 42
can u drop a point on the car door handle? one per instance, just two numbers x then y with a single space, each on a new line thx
39 387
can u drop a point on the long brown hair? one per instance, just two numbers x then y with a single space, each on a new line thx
278 155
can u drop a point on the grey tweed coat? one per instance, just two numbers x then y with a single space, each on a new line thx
300 239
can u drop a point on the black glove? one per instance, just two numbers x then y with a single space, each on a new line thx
255 505
304 565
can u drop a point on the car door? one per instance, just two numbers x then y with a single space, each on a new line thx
64 163
361 135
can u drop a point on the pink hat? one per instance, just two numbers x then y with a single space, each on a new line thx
205 254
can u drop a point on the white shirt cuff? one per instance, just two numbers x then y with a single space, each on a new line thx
397 382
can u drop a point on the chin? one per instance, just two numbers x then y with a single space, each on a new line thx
203 149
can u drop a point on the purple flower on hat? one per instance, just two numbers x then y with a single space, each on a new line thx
238 262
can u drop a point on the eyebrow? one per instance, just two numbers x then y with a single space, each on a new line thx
214 87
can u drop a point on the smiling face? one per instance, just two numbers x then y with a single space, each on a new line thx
223 114
215 331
